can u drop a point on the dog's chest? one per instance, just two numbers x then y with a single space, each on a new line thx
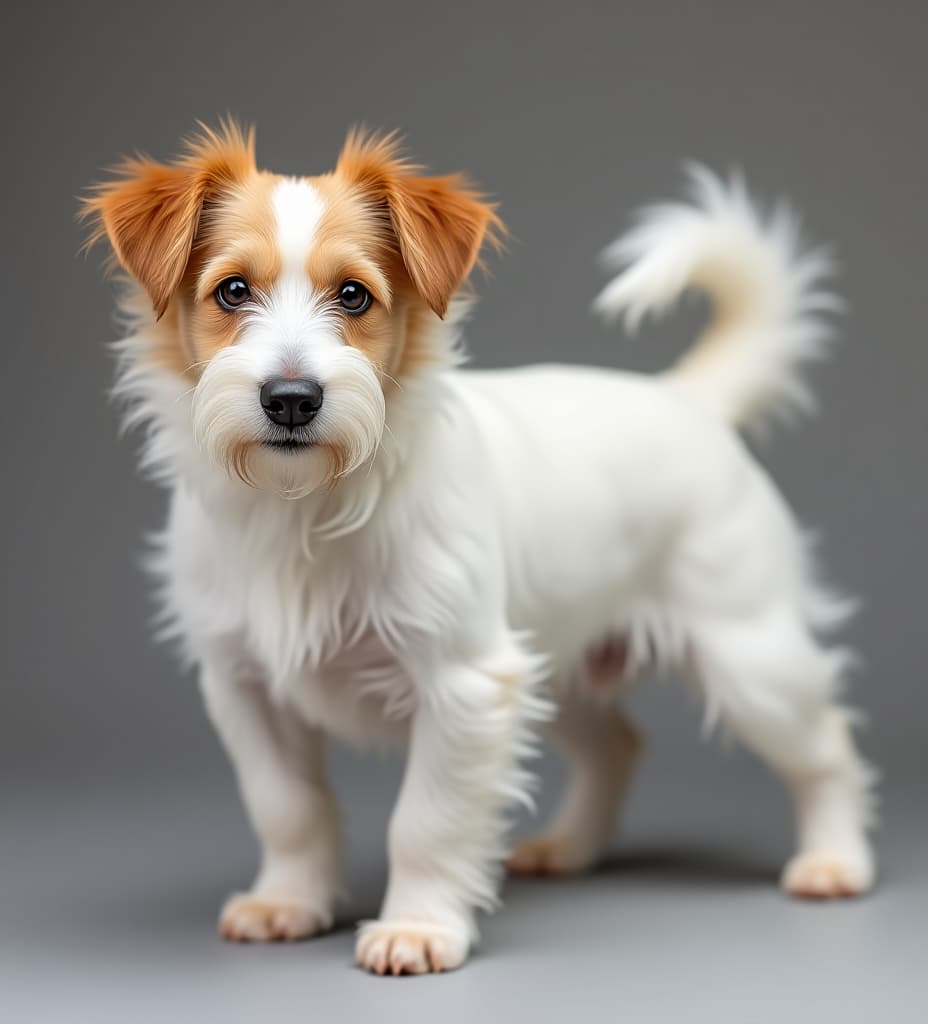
362 693
317 633
321 632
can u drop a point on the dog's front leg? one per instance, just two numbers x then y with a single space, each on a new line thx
446 836
280 764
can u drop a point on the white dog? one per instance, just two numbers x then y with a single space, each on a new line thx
366 540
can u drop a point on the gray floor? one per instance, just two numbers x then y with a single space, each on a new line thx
110 895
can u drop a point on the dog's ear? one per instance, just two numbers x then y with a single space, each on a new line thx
440 224
150 211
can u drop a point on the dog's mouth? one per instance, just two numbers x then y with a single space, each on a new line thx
289 445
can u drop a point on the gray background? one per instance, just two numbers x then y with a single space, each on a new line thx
120 829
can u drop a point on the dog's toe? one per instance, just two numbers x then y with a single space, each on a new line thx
827 876
408 948
250 918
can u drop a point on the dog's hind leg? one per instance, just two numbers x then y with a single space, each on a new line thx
600 746
772 684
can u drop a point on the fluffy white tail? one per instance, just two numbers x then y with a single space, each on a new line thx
766 289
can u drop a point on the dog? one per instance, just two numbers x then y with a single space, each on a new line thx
369 541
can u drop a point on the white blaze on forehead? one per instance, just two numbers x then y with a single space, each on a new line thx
298 332
298 208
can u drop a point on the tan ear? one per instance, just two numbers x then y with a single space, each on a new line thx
150 212
440 224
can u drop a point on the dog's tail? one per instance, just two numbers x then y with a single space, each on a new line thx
767 289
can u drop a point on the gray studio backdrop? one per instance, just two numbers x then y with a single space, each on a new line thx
571 114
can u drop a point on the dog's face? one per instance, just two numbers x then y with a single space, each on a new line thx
292 305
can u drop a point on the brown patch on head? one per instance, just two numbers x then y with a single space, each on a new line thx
150 212
237 238
411 239
352 241
439 223
180 228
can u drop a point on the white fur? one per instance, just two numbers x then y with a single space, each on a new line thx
490 524
298 208
767 290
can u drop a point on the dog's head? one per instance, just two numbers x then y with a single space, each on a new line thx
292 305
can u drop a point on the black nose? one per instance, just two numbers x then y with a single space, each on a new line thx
291 403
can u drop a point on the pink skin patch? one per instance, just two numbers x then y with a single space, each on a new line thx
607 663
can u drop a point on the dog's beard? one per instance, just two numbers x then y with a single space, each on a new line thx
231 428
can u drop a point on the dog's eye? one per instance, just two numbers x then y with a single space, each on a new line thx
354 297
232 293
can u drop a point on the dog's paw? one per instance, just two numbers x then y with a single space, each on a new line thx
247 917
548 856
827 875
409 947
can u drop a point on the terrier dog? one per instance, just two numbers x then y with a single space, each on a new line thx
366 540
